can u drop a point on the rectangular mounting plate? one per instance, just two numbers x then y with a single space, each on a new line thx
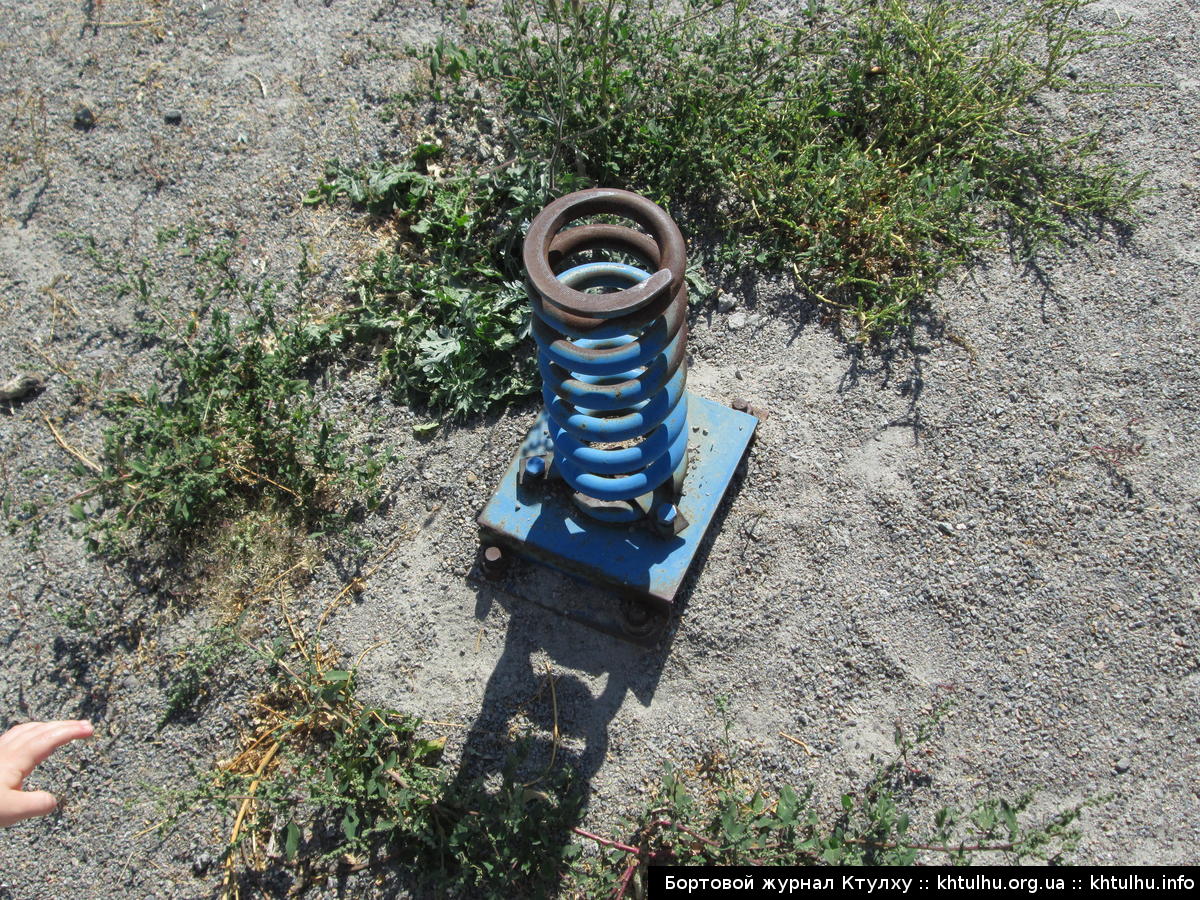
540 521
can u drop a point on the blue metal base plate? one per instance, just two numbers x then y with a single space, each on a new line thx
540 520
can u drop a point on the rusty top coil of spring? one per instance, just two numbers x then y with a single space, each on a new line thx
548 242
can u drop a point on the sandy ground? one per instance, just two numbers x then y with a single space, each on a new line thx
1001 510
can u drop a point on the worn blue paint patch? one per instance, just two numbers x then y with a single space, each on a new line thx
540 521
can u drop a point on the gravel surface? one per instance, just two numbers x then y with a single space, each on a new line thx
1000 510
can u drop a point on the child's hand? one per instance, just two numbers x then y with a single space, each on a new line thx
22 748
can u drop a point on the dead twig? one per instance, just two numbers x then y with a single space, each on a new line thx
359 583
54 364
261 87
269 481
555 735
297 637
262 589
130 24
95 467
375 646
229 890
236 762
605 841
667 823
799 743
626 877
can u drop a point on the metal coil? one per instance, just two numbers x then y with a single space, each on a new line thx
611 346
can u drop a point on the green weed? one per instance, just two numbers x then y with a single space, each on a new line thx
199 664
717 820
446 305
869 148
327 785
77 617
25 517
236 427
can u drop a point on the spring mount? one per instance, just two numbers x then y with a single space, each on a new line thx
624 470
612 339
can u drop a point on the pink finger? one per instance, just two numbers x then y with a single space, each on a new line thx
17 731
19 805
36 744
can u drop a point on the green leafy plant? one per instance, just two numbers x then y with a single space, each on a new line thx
326 784
235 428
198 664
77 617
24 517
715 818
867 147
445 305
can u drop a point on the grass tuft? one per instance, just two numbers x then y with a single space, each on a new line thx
713 817
867 149
195 670
326 786
445 303
235 430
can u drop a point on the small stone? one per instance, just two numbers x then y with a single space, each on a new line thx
726 303
19 387
1123 765
173 117
736 321
84 118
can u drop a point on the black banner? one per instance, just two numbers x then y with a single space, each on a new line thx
753 882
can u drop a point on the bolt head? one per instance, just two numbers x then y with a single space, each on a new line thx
535 467
493 561
638 620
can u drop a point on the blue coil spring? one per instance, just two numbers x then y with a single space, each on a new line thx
613 363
